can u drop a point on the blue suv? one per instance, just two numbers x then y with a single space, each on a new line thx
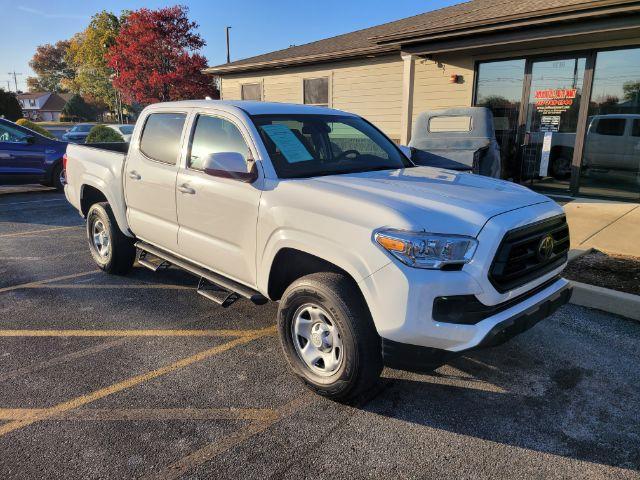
28 157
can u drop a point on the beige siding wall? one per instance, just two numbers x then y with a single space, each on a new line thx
432 87
369 87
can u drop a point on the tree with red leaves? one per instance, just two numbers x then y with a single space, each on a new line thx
155 57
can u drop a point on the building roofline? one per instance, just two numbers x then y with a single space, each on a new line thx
508 19
393 42
604 7
303 60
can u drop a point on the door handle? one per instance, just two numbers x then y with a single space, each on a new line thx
134 175
184 188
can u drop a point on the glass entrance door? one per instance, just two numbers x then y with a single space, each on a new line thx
550 122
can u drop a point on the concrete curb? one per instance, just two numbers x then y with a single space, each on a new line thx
605 299
578 252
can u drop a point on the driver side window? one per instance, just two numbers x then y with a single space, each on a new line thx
11 135
215 135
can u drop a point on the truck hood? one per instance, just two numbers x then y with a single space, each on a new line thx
426 198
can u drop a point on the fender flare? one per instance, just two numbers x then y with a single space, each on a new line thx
118 213
324 248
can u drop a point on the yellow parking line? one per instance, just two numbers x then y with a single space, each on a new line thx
73 286
131 333
130 382
45 281
207 453
142 414
43 230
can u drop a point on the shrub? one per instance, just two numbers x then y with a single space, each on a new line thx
102 133
23 122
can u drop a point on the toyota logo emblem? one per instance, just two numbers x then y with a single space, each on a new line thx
545 248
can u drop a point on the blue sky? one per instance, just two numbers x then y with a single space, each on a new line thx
258 26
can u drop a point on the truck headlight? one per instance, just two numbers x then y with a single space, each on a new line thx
427 250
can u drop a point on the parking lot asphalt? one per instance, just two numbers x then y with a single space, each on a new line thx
138 376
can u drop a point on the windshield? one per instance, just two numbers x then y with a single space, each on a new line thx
126 129
314 145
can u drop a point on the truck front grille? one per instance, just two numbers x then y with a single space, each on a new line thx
529 252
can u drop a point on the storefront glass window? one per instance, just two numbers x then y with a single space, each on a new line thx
499 87
551 122
611 157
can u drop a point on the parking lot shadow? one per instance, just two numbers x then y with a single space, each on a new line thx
560 409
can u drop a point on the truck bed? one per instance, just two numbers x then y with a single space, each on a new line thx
121 147
98 166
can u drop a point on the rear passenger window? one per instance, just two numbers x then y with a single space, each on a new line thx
215 135
611 126
161 136
635 131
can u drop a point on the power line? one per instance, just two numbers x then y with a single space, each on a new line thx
15 78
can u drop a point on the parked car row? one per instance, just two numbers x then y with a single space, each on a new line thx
80 132
29 157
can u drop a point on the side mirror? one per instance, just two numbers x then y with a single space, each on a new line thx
406 150
230 165
30 139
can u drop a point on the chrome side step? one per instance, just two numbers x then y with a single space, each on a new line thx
148 263
213 292
216 287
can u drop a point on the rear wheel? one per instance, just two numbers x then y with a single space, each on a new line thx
113 251
328 336
57 179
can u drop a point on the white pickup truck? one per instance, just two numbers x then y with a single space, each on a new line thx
373 260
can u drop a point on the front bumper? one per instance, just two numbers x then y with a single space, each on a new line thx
405 356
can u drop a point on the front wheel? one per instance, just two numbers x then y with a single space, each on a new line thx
328 336
113 251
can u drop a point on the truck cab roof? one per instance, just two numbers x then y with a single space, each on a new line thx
250 107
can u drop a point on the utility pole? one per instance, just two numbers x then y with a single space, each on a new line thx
228 51
15 78
8 85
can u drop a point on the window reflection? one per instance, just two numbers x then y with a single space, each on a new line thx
611 157
499 88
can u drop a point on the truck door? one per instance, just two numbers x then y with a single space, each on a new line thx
150 179
605 143
218 216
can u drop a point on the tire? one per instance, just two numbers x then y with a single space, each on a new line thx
561 168
333 298
56 178
113 252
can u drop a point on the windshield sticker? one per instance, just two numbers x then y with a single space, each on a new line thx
289 145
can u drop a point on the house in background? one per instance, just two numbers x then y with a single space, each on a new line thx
43 106
543 67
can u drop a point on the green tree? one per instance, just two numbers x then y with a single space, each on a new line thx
9 106
51 67
77 109
35 127
102 133
632 91
86 54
